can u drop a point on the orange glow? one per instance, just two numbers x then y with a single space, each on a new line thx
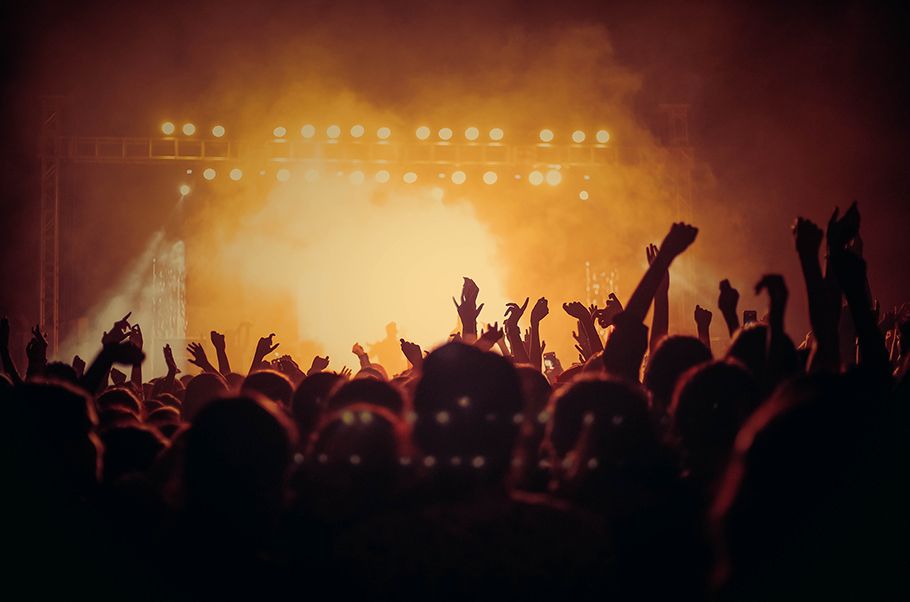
189 129
209 174
168 128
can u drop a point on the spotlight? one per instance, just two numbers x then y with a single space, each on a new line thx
218 131
311 175
283 175
583 195
554 177
578 136
280 131
546 135
423 132
602 136
409 177
189 129
383 133
445 134
209 174
535 178
382 176
168 128
235 174
189 170
356 177
308 131
184 189
357 131
490 177
459 177
586 177
496 134
472 133
333 132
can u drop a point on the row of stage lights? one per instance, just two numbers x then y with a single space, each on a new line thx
333 132
551 177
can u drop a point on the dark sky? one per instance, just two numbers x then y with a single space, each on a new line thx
793 108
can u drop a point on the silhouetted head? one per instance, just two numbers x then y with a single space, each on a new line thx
130 450
468 407
374 371
201 391
170 400
238 451
309 402
119 398
711 403
749 346
271 384
673 356
62 372
366 390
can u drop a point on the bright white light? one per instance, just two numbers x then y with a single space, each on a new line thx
423 132
535 178
383 133
189 170
218 131
209 174
308 131
546 135
458 177
357 131
235 174
168 128
382 176
333 132
490 177
356 177
578 136
445 134
189 129
472 133
311 175
283 175
554 177
583 195
409 177
586 177
184 189
496 134
602 136
280 131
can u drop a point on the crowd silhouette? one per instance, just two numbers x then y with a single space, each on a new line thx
652 467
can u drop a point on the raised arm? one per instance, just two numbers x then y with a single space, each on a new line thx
513 331
263 348
677 240
224 366
468 310
199 358
36 351
362 356
703 325
535 351
8 365
660 319
823 299
586 327
727 301
136 368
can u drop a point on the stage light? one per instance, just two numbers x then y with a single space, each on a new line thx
356 177
409 177
586 177
382 176
535 178
490 177
308 131
459 177
218 131
554 177
189 170
602 136
236 174
333 132
472 134
311 175
168 128
184 189
383 133
357 131
578 136
283 175
209 174
280 131
496 134
445 134
583 195
546 135
423 132
189 129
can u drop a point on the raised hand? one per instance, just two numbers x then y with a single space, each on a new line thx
842 230
224 365
777 290
702 317
514 312
357 349
727 301
118 332
117 377
680 237
263 348
78 365
807 236
489 337
577 310
169 361
539 311
135 336
36 351
217 340
412 353
345 372
199 358
468 310
605 316
651 252
319 364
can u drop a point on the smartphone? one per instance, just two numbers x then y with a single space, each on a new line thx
749 316
549 362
